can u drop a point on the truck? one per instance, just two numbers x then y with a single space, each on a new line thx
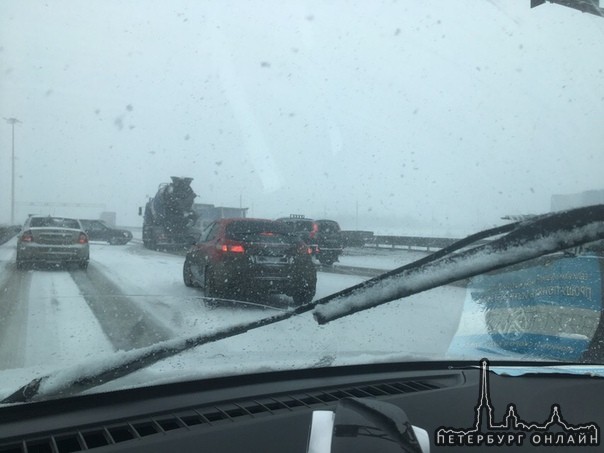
173 220
169 218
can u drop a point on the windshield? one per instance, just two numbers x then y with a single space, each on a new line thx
404 126
53 222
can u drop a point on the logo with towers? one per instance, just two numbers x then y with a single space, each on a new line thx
512 430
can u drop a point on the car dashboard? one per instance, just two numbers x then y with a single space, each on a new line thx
272 412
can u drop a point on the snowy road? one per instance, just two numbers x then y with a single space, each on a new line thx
131 297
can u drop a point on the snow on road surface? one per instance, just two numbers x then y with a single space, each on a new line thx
401 327
60 324
43 317
57 318
45 323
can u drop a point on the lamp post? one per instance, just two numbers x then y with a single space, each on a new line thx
12 122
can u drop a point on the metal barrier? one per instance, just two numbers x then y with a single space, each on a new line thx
357 238
7 232
410 242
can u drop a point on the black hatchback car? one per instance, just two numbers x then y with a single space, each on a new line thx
243 258
97 230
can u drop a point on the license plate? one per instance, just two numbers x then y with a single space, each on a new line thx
270 259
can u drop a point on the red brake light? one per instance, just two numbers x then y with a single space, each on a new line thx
314 231
83 239
231 247
27 237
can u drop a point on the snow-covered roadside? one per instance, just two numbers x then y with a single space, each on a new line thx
383 259
7 258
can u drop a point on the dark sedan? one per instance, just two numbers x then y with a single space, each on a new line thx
98 230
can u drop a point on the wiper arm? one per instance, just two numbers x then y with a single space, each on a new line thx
552 232
527 240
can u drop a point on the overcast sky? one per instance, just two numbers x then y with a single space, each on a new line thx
433 113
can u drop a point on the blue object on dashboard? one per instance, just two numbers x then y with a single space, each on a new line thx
546 309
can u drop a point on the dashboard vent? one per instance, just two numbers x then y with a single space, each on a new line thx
84 439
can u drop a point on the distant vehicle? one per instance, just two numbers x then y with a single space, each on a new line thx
322 236
172 220
330 241
98 230
208 213
169 217
306 229
52 240
251 258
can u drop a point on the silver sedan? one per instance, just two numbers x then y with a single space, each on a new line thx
52 240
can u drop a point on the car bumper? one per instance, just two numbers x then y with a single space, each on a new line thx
246 278
52 253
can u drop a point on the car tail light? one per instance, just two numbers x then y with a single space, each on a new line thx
82 239
314 231
305 250
231 247
27 237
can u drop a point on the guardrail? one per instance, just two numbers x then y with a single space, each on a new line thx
7 232
354 238
410 242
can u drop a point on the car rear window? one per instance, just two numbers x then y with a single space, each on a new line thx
54 222
258 232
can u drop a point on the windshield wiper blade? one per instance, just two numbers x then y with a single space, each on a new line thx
554 232
527 240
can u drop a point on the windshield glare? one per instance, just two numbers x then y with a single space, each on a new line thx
390 130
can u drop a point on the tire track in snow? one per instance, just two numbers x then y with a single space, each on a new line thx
14 293
126 325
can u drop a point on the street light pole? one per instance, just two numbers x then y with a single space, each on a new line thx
12 122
